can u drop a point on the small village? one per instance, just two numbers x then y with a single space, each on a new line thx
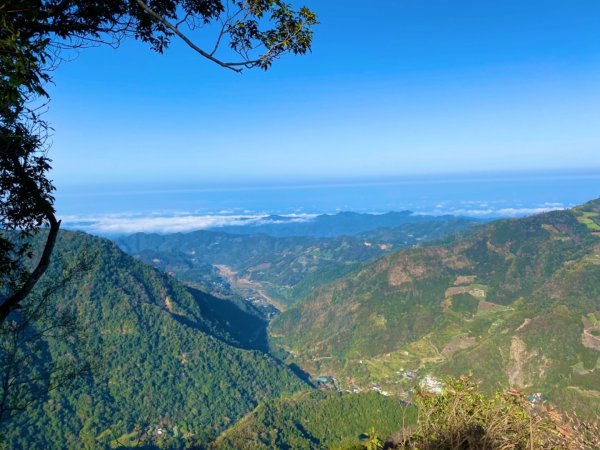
427 383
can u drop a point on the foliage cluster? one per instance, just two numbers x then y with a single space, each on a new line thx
27 372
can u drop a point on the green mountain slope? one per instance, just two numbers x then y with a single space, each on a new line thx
172 363
279 269
517 302
315 420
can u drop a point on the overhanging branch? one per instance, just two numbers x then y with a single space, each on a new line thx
188 41
16 298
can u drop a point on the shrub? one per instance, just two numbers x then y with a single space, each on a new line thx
461 418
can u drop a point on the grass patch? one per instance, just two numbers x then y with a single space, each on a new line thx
128 440
555 233
588 219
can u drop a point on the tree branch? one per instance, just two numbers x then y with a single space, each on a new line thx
225 25
187 40
15 300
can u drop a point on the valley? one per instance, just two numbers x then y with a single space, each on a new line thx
282 267
250 290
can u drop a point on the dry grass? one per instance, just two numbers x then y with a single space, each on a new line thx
463 419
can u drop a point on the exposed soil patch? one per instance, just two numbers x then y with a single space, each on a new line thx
519 357
408 269
457 345
456 290
503 251
246 286
456 261
477 292
484 306
168 304
259 267
550 229
404 272
464 280
587 337
524 324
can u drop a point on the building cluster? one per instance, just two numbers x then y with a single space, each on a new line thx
432 384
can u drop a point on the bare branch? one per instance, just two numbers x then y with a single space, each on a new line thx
225 26
182 20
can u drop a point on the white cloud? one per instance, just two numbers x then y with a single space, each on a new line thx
487 212
181 222
114 224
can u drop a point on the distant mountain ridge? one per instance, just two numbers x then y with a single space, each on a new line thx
281 268
517 302
344 223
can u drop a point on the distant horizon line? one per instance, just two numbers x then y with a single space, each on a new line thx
190 186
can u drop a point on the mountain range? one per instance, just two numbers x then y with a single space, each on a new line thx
280 268
516 302
345 223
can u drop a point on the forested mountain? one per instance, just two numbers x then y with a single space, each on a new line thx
517 303
168 365
284 269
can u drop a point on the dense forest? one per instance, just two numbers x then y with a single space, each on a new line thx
316 420
164 368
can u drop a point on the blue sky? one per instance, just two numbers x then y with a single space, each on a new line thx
392 87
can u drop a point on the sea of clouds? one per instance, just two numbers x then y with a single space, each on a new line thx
181 222
487 210
165 223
